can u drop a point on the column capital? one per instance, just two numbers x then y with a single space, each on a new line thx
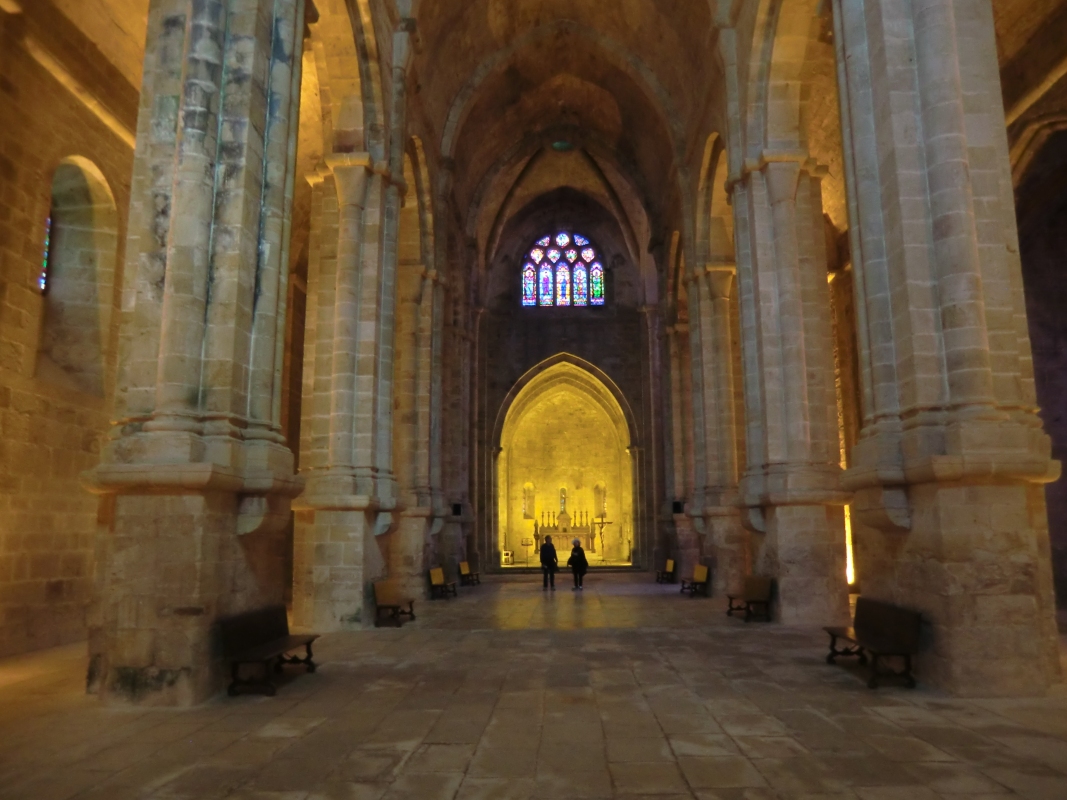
350 173
720 279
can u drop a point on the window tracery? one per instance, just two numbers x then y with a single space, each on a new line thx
563 270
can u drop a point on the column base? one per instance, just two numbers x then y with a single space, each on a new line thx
976 564
727 542
336 559
688 550
803 549
172 566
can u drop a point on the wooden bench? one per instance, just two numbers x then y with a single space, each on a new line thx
880 630
754 600
439 587
390 601
666 575
261 637
466 577
698 583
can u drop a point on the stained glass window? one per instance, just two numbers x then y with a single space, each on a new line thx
596 284
562 269
581 285
529 285
545 281
563 285
42 279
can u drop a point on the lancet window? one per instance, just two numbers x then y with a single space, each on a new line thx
563 270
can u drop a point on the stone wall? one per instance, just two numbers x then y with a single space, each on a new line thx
50 428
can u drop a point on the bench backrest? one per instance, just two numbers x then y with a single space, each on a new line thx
386 593
700 574
888 625
437 576
669 568
757 588
252 628
464 568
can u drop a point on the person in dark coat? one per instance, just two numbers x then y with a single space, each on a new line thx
549 564
578 564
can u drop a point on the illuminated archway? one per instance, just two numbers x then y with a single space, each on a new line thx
565 450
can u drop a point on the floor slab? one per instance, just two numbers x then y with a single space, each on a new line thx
625 689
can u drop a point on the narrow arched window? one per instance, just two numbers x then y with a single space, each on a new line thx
77 278
562 270
42 279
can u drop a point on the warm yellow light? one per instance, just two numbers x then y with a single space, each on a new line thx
850 568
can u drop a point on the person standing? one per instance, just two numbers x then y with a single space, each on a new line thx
578 564
549 564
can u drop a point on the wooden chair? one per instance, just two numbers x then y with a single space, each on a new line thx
388 600
880 630
754 600
466 577
666 575
698 583
439 587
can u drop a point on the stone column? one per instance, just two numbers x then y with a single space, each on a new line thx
790 491
196 475
725 539
410 544
949 515
334 552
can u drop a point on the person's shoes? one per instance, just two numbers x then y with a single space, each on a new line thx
553 588
580 588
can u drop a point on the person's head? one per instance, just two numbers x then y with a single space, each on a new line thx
577 542
548 540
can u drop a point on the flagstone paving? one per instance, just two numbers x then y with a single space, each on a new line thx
624 690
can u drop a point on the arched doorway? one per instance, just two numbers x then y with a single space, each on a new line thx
565 468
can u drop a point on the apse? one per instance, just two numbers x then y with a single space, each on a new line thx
564 470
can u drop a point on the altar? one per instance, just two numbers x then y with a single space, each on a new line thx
564 530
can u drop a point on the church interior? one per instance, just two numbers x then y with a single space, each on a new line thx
300 299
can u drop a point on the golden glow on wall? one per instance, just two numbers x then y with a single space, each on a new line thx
565 431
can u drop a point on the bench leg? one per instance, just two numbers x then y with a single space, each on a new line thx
264 684
873 682
306 660
909 679
844 651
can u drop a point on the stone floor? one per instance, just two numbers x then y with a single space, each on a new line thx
510 693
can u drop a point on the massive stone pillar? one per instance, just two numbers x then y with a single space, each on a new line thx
790 491
196 477
949 512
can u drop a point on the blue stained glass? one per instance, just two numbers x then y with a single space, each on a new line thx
581 285
553 255
563 239
572 255
529 285
596 284
563 285
581 241
545 242
588 254
544 278
537 254
42 279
